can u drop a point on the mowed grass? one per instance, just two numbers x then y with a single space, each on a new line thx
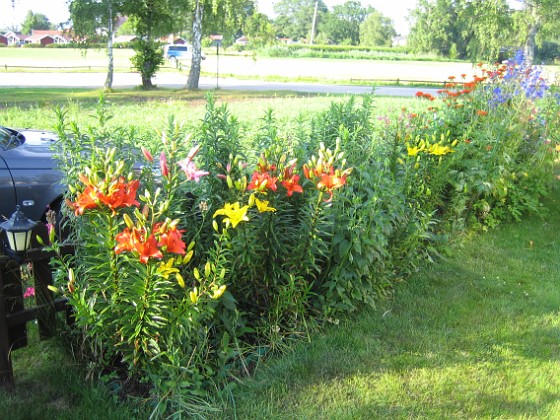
80 59
149 111
476 335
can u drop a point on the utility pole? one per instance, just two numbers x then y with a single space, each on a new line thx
314 22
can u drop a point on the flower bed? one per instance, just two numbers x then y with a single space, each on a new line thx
218 248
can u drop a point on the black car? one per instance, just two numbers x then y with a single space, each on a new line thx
28 174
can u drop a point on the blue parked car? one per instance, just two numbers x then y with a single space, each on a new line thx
28 174
179 52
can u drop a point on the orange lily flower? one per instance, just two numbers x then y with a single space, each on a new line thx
86 200
292 185
148 249
330 182
121 194
261 181
135 241
125 241
172 242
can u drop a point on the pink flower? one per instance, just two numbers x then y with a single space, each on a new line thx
147 154
30 292
163 165
193 152
190 170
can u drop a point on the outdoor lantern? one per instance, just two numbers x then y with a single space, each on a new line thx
18 230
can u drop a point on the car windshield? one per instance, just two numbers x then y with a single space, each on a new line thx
9 138
178 48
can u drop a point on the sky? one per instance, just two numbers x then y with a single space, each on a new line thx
57 10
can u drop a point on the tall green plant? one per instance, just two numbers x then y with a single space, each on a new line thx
137 293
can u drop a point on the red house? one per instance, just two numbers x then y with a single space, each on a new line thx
46 37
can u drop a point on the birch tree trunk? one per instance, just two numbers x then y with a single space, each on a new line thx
194 74
530 42
110 32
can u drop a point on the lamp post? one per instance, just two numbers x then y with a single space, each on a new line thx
217 39
18 231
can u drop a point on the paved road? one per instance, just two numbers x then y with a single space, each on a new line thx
178 81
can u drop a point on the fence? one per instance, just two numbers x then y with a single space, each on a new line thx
13 314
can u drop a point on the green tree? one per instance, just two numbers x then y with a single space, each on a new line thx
127 28
479 29
342 25
294 18
89 17
228 20
259 29
433 27
35 21
485 27
151 20
377 30
537 23
229 13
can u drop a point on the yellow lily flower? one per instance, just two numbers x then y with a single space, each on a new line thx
439 150
218 291
234 213
413 151
262 206
167 268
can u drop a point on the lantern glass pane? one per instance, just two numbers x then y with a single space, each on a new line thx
19 241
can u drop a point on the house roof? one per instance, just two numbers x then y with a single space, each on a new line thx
37 35
34 38
11 34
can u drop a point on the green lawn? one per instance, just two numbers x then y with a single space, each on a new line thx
148 111
18 58
474 336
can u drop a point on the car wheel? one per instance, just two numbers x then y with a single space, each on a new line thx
174 62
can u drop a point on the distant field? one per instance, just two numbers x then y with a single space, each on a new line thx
36 59
309 69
